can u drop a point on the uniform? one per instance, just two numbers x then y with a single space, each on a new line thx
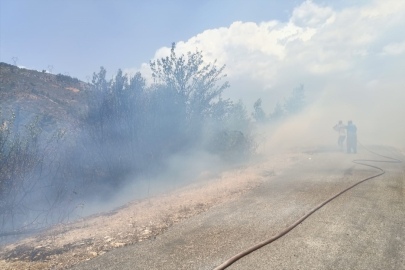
340 128
351 138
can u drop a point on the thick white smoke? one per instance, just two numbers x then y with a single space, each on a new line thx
349 61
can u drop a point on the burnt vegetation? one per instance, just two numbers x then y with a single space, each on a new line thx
116 131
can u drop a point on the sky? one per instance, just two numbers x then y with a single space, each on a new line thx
77 37
80 36
349 55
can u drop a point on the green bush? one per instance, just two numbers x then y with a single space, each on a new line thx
66 79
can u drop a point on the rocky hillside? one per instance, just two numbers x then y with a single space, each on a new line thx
55 98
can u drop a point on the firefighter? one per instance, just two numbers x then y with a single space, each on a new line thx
340 128
351 137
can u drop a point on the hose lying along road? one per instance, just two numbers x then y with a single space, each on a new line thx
274 238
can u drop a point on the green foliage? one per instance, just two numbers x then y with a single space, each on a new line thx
66 79
193 80
187 74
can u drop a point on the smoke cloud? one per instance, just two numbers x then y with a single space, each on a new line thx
348 59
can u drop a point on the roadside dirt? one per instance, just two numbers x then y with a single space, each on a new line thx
64 245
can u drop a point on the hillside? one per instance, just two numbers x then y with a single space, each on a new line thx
56 98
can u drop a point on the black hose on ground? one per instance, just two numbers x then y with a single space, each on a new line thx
274 238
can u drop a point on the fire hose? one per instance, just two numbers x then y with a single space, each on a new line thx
295 224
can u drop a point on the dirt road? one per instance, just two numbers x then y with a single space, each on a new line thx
362 229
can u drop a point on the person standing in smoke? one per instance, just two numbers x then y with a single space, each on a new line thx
351 137
340 128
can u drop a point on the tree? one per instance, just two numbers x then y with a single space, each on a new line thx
98 106
277 114
296 102
133 128
195 82
115 122
259 115
229 131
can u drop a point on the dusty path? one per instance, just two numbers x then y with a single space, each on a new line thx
362 229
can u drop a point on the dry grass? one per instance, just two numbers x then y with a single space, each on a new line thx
72 89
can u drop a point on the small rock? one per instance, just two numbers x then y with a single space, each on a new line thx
94 254
118 245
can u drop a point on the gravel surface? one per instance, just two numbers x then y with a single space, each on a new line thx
362 229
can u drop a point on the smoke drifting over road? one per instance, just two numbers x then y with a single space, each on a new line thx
350 61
